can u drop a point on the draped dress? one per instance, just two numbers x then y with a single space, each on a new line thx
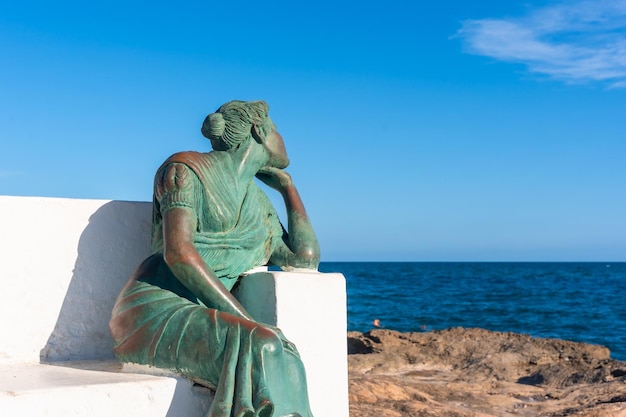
157 321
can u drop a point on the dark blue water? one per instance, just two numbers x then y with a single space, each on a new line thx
582 302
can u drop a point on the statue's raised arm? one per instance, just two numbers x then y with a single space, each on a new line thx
211 224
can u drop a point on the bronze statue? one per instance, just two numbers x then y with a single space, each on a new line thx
212 223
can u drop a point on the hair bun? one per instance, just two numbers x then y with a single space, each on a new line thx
213 126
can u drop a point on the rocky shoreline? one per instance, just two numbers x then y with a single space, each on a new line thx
474 372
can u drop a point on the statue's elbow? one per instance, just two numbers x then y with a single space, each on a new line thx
177 258
309 258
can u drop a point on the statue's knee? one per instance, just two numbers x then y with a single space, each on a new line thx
266 339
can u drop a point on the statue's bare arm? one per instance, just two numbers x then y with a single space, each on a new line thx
179 226
300 248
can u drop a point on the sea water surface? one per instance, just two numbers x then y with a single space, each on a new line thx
582 302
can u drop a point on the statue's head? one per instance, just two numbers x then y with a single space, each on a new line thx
238 122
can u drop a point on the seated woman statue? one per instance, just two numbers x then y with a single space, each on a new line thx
211 224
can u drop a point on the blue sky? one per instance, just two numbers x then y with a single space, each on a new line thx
425 131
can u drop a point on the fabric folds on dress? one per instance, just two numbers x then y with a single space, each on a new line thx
253 369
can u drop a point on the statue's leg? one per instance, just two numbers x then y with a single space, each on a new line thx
243 361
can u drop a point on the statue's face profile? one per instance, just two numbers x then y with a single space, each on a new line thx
276 147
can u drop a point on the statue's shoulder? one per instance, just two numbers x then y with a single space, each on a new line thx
187 158
199 162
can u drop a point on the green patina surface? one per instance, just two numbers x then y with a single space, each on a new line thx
211 223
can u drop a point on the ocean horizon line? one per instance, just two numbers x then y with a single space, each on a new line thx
477 261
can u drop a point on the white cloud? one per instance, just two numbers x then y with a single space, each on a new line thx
577 41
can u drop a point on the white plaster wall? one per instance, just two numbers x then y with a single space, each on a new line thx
62 263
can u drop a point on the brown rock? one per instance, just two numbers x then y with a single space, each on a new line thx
475 372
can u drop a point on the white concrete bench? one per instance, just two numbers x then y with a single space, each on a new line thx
62 264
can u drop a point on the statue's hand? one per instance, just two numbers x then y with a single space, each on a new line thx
275 178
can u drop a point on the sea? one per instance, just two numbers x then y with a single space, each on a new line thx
583 302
